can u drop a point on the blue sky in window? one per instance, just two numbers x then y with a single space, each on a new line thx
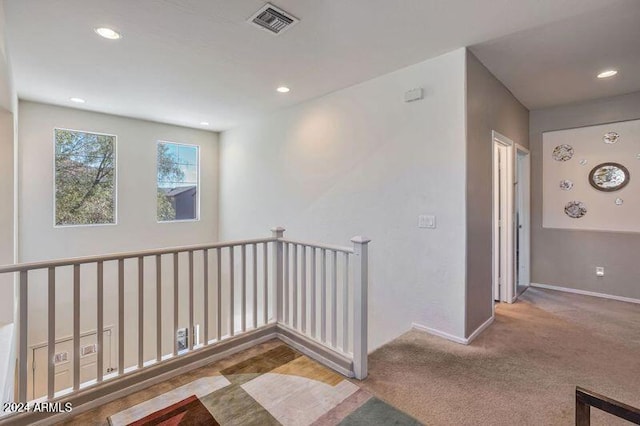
186 158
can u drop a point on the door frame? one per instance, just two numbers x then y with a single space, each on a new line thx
503 187
525 189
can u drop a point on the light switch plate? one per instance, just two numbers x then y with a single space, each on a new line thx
599 271
426 221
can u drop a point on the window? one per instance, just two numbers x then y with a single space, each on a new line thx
85 181
177 182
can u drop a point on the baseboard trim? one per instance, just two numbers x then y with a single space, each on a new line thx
111 390
480 329
451 337
436 332
316 351
586 293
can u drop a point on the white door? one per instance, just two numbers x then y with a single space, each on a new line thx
63 369
501 219
522 221
511 219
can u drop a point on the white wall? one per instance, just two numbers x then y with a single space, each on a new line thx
8 116
361 161
137 227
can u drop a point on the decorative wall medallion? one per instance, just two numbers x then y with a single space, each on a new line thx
619 201
609 177
566 185
611 137
575 209
584 162
563 152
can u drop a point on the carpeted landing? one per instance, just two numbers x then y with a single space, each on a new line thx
522 370
271 384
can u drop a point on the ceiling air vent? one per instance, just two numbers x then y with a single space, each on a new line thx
273 19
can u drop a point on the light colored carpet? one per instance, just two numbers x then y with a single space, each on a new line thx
522 370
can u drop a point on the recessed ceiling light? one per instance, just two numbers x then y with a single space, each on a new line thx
283 89
77 100
108 33
204 123
607 74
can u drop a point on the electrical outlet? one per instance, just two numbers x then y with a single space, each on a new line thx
88 350
599 271
60 358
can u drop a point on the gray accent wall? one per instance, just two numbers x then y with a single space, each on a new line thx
490 106
568 258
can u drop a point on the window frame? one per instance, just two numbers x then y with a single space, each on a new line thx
115 180
197 218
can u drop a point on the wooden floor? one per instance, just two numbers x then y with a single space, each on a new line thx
270 384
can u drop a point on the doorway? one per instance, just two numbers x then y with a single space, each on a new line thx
511 219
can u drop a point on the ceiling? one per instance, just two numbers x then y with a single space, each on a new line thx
557 63
188 61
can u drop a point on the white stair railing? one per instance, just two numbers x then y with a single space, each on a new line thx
323 290
313 290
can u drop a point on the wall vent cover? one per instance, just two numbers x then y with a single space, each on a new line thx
273 19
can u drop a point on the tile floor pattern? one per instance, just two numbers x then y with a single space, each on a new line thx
275 386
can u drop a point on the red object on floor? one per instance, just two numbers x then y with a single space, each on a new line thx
189 411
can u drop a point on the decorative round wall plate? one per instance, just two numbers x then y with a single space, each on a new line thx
575 209
611 137
563 152
609 177
566 185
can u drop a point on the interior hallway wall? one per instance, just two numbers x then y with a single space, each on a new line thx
490 106
568 258
361 161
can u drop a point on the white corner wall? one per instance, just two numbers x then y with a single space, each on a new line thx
361 161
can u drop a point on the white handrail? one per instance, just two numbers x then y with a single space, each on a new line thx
20 267
318 245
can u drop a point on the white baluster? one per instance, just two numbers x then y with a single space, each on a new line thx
140 312
205 289
120 317
100 320
255 285
191 332
51 334
334 301
312 294
176 278
158 308
243 289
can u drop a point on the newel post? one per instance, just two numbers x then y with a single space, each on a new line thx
360 305
277 233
